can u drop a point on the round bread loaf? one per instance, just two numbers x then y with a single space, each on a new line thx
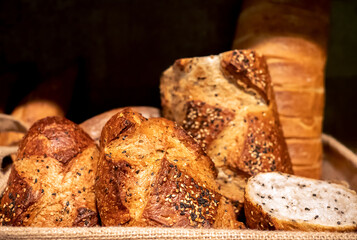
51 183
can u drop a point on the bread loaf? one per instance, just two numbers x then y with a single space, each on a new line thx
227 104
152 173
293 37
50 98
52 180
278 201
94 125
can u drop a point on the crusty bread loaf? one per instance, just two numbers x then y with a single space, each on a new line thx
52 181
94 125
227 104
50 98
293 36
278 201
152 173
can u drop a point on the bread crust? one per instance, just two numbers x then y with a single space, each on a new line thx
239 134
152 173
94 125
301 127
305 152
300 103
52 180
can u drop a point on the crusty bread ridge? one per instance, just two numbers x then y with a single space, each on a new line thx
152 173
277 201
94 125
52 180
227 104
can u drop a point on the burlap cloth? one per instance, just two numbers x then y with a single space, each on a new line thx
339 162
159 233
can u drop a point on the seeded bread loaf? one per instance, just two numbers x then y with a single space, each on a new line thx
152 173
51 183
227 104
277 201
94 125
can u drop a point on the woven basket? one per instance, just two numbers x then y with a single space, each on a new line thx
339 164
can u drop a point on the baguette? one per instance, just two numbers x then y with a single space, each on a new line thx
152 173
51 183
277 201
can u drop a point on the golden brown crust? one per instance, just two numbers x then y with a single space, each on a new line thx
54 137
193 93
152 173
52 181
177 200
291 74
303 127
227 104
16 199
51 98
300 103
264 148
110 191
94 125
310 170
305 152
255 217
227 214
248 70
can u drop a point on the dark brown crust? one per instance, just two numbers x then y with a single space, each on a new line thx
204 122
264 148
54 137
16 199
85 218
177 200
111 192
247 69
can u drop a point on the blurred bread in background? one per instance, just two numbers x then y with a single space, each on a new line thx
50 98
293 36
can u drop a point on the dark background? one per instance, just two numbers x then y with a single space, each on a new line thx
121 48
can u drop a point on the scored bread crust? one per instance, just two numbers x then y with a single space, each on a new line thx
94 125
51 183
258 218
227 104
152 173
